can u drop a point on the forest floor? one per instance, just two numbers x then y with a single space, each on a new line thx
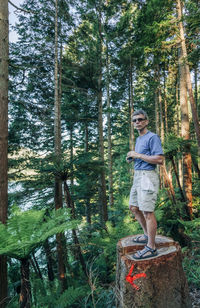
195 297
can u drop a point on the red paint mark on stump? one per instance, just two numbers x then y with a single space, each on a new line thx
130 278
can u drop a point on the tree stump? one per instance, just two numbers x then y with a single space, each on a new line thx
157 282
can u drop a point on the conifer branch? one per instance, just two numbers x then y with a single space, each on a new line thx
20 9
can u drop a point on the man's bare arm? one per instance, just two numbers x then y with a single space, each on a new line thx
153 159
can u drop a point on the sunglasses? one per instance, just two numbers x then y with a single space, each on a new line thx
139 120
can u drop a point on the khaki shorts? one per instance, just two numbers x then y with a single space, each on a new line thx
144 191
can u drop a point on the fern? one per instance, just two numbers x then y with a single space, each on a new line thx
71 296
191 262
27 230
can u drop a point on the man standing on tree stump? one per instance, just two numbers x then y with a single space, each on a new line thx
148 153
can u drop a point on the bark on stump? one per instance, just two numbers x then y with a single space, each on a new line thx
157 282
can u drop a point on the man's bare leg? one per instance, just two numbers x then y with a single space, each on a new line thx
140 217
151 225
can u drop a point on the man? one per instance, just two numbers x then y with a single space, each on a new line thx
148 153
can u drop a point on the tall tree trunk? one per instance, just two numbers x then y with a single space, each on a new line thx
165 105
185 132
57 112
49 259
161 116
157 112
157 109
70 205
168 184
178 129
25 294
196 86
86 141
130 115
57 148
36 266
110 171
86 149
71 159
187 73
177 178
196 167
177 121
131 108
4 54
102 180
158 106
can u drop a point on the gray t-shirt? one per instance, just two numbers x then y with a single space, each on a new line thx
148 144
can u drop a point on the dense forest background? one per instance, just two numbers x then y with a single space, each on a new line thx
76 74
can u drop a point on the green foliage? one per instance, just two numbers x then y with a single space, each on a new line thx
173 222
168 215
191 260
103 242
26 230
175 146
71 298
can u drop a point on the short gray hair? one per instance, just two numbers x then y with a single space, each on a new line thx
140 111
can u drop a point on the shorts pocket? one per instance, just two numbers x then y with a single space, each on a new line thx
147 184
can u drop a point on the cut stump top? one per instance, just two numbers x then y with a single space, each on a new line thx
166 247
